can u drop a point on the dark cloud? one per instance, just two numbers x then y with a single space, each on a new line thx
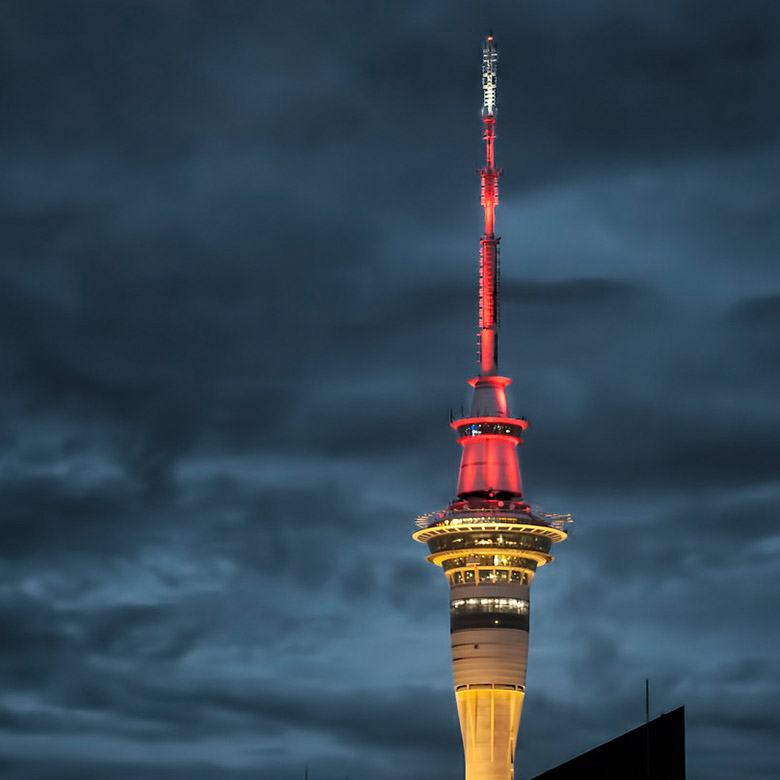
237 299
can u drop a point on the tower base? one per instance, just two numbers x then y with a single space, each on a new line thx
489 719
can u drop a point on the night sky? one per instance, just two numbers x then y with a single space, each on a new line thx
238 264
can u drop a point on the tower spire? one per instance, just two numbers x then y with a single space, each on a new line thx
488 255
488 540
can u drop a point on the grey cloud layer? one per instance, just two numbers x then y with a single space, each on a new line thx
237 302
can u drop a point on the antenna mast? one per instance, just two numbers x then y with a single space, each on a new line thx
488 255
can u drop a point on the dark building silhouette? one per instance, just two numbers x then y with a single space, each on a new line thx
654 751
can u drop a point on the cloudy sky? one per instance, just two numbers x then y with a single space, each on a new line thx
238 263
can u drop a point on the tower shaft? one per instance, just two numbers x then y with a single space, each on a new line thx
490 551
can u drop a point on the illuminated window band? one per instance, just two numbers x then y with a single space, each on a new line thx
489 576
515 606
489 613
505 540
522 559
488 428
491 561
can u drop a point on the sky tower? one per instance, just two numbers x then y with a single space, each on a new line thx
488 540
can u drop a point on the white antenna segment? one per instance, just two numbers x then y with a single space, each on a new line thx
489 76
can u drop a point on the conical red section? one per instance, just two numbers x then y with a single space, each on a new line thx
489 437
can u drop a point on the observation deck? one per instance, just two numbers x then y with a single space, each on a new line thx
491 532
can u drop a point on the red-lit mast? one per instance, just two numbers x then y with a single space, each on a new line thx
488 257
489 436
